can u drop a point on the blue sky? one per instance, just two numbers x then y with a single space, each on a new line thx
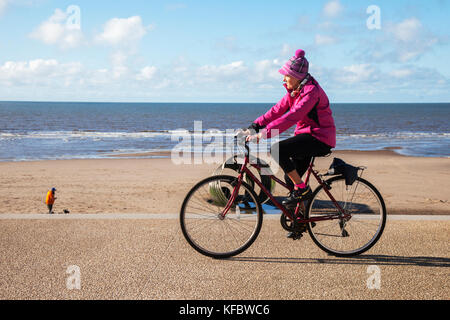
221 51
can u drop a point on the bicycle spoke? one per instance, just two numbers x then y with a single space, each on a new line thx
242 225
201 224
361 231
207 231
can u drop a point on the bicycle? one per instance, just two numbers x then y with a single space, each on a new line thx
221 216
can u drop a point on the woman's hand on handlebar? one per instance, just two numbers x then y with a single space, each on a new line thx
250 135
243 132
254 137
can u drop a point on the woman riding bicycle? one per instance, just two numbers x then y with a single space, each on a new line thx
306 105
221 216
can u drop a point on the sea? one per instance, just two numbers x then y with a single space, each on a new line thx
32 131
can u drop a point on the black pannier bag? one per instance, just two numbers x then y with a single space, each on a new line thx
339 167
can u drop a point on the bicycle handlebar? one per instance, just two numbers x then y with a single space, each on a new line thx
242 135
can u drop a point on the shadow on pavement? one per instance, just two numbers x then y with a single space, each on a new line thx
359 260
359 208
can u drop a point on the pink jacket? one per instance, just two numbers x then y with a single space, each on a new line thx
310 110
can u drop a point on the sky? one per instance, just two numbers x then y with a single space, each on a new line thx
222 51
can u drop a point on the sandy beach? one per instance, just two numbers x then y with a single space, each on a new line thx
409 185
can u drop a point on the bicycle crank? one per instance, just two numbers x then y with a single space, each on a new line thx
287 223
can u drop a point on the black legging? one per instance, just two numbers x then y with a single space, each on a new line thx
296 153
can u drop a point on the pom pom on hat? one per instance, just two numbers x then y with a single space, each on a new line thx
297 66
299 53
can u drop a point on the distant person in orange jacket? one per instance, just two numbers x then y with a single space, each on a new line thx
50 200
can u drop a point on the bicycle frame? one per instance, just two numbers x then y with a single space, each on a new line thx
245 170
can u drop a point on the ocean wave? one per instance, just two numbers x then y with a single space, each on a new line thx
396 135
169 134
86 134
80 135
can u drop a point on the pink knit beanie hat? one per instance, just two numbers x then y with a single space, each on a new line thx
297 66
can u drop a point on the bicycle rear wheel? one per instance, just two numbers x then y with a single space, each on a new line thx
363 229
203 225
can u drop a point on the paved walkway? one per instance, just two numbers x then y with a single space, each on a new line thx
112 257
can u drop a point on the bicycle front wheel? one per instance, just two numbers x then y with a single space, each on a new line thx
207 230
358 233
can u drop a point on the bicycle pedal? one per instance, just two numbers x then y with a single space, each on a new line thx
295 235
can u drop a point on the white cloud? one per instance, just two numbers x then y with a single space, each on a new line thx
401 73
124 35
266 71
332 9
415 76
233 69
356 73
51 79
57 31
321 39
357 81
123 32
12 70
147 73
119 64
411 40
407 30
400 42
38 71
